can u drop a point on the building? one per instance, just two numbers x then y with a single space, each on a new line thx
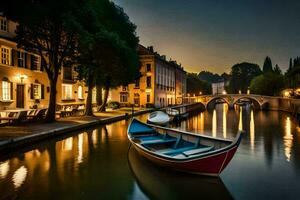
162 82
24 83
218 87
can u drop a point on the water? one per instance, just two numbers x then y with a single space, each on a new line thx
96 164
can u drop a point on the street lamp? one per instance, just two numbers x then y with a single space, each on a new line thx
22 77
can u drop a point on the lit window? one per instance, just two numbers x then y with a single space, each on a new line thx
5 55
21 59
3 24
123 98
80 92
6 95
67 91
37 94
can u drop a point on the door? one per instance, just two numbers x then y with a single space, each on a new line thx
136 100
20 96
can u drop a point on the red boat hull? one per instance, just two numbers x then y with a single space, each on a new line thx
211 165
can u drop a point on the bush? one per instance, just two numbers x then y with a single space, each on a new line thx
113 105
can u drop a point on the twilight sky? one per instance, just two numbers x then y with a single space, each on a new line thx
215 34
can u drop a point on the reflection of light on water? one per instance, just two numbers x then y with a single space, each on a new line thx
201 123
19 176
241 120
252 130
80 148
214 124
95 137
4 168
68 144
224 120
288 140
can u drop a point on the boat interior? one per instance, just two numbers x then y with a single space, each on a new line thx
176 144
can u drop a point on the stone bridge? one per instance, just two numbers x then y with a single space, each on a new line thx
259 101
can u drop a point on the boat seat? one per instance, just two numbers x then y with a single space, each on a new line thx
159 141
197 151
174 151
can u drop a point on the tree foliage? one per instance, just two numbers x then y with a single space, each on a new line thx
108 56
195 85
209 76
267 67
267 84
241 76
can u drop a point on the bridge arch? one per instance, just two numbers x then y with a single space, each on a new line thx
216 98
254 100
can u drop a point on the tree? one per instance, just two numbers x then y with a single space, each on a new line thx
209 77
50 29
267 84
195 85
108 56
277 70
241 76
267 65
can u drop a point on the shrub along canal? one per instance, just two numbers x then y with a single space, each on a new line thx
96 163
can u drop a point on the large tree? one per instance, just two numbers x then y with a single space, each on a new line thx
111 51
50 29
241 76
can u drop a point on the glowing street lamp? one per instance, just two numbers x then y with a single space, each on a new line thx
22 77
224 92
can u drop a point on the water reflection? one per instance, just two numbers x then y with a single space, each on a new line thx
288 139
4 168
252 131
214 123
241 120
225 108
93 164
19 176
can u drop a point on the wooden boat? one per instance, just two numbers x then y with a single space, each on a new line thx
158 117
161 183
182 151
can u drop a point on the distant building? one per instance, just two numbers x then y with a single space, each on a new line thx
162 82
218 87
23 81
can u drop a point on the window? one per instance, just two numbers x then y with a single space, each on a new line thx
36 91
5 55
67 73
80 92
123 98
3 24
21 59
148 66
6 92
137 83
148 98
34 62
67 91
148 81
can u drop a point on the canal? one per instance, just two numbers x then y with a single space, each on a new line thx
98 164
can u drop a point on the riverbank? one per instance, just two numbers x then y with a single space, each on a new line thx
13 137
